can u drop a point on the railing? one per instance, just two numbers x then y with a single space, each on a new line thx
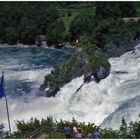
43 130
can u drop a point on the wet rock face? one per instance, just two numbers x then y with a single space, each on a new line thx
102 73
87 76
98 74
52 91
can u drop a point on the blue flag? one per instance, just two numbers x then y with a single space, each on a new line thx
2 86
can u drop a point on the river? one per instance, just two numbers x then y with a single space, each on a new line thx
24 70
104 103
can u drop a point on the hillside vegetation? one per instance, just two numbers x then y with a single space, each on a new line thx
25 21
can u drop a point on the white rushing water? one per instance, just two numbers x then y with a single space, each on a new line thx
104 103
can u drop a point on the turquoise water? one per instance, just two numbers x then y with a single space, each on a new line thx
25 68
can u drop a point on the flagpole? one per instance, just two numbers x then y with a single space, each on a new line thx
7 109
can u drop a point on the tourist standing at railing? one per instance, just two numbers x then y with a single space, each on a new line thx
79 134
90 136
68 131
97 134
75 131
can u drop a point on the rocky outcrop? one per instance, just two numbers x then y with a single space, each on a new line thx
52 91
98 74
95 65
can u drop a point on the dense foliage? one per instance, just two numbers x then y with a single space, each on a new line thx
55 129
83 24
106 27
109 10
62 21
23 21
55 33
116 37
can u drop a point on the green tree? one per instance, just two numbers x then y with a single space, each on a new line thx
134 130
45 17
123 129
28 35
55 33
10 35
83 24
101 33
108 10
109 134
127 9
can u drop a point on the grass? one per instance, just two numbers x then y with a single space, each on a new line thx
74 12
68 19
138 9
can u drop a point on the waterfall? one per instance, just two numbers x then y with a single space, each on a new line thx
103 103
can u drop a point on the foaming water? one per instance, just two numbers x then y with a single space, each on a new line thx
25 69
103 103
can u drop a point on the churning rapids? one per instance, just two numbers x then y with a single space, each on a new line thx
104 103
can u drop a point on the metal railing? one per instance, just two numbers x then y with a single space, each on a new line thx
43 130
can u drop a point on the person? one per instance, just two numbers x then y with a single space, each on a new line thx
68 132
79 132
89 136
97 134
75 131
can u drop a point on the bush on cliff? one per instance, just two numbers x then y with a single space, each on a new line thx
97 64
87 61
63 74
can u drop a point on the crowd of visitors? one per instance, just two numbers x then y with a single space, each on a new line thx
77 132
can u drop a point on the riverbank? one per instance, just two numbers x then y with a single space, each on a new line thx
66 47
20 45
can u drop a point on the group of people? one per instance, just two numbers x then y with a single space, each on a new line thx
76 132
